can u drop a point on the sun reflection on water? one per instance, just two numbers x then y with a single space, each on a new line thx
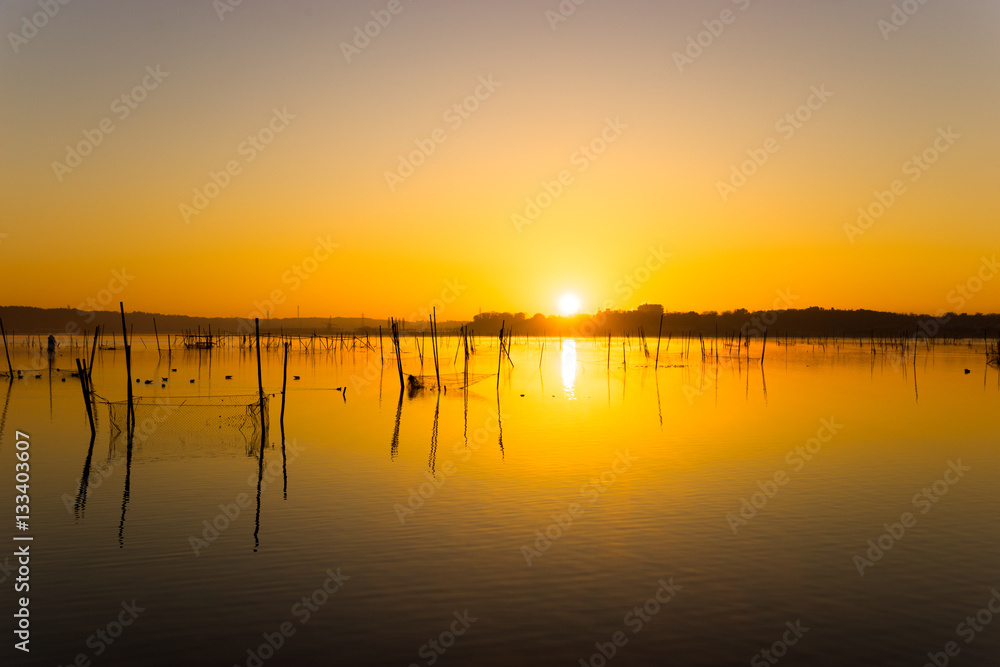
569 368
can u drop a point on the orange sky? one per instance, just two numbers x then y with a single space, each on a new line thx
359 187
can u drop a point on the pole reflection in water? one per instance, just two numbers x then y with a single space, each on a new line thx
394 447
81 497
432 459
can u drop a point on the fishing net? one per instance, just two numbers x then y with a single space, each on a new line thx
190 427
453 380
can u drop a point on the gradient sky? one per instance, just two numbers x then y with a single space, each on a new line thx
446 232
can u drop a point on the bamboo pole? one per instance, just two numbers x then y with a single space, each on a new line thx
93 351
500 356
130 412
437 369
659 333
157 334
284 386
10 366
82 372
399 361
260 390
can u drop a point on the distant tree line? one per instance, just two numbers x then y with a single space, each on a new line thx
803 322
792 322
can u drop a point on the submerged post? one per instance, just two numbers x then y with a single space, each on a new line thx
395 345
284 387
500 357
437 370
260 391
82 371
659 333
130 413
93 350
10 366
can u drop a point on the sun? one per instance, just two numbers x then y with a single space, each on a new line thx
569 304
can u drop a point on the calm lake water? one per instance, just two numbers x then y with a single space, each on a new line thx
698 514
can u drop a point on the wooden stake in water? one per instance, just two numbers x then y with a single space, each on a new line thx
763 349
395 345
130 412
9 365
81 371
260 390
284 387
437 370
659 333
500 356
93 350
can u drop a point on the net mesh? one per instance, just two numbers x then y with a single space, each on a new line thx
189 427
453 380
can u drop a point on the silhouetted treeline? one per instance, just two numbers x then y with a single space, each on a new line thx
28 320
795 322
798 322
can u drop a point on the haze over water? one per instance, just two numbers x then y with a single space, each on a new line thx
636 475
